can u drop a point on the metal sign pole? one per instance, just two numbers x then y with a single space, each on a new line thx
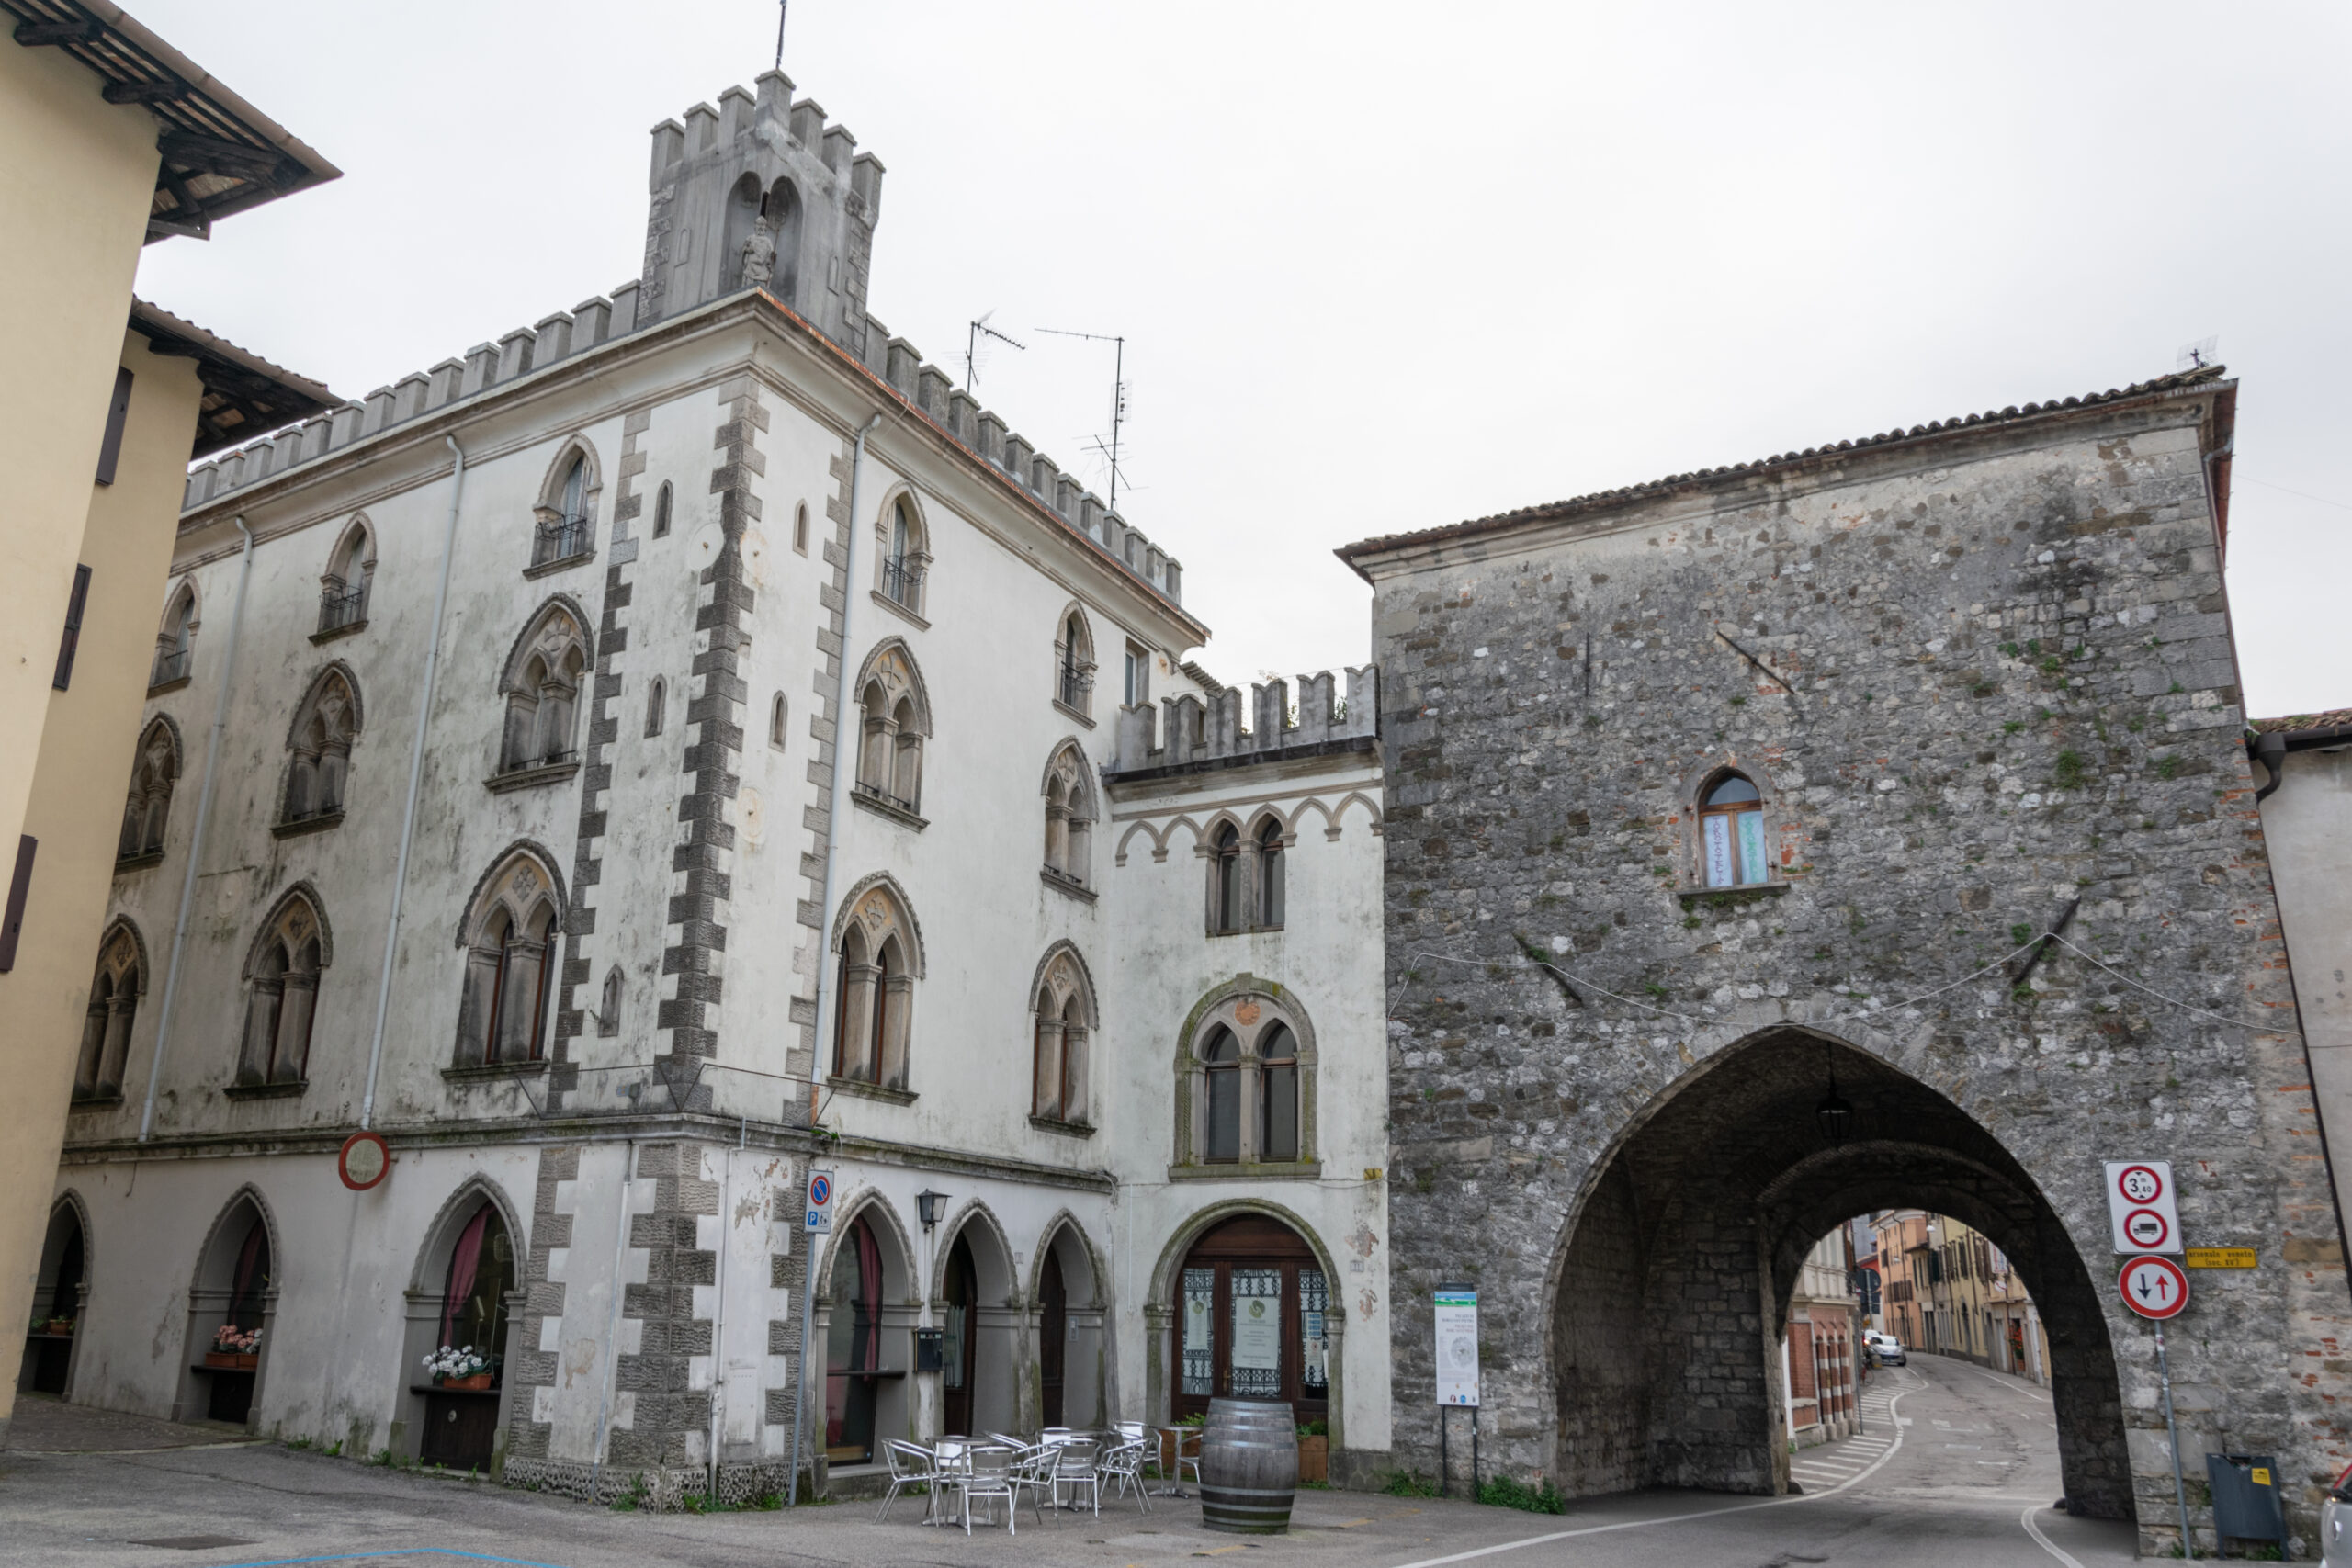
2179 1490
801 1370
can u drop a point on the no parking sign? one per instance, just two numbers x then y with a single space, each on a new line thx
820 1202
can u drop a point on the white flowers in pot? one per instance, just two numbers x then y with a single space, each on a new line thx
446 1365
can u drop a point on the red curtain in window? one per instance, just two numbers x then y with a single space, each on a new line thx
869 1297
251 1265
465 1263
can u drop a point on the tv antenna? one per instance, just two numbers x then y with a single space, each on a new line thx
2199 355
780 7
1118 395
972 339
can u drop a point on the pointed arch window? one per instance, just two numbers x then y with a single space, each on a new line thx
1731 833
608 1006
324 728
657 692
1070 818
342 592
147 811
1221 1097
1228 903
661 510
777 713
564 530
906 556
542 689
511 948
801 528
875 994
1074 665
282 998
1270 874
1061 1030
175 642
1246 1084
895 721
114 1008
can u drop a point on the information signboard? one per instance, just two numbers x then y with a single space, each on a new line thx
2141 1208
821 1201
2221 1257
1457 1345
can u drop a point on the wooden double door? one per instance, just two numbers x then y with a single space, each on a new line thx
1250 1322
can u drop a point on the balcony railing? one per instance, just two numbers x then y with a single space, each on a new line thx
1073 685
169 667
902 579
876 792
559 540
547 760
340 606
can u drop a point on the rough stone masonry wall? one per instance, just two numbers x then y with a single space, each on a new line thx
2014 687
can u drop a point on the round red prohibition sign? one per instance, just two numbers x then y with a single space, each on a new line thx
2147 1229
365 1161
2154 1287
2139 1184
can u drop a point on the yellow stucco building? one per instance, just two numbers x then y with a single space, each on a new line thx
115 140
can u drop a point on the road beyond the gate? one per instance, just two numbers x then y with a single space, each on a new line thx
1956 1466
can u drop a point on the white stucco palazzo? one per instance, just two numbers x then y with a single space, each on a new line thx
506 811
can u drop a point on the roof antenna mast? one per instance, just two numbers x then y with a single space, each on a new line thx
781 5
979 330
1118 395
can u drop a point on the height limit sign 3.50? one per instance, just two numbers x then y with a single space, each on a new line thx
2139 1206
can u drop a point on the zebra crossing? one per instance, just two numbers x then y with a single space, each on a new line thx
1833 1465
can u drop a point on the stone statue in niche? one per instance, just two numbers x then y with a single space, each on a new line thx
759 255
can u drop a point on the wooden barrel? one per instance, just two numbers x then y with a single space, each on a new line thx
1248 1467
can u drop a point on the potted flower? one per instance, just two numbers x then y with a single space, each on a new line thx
1315 1451
61 1325
463 1368
238 1348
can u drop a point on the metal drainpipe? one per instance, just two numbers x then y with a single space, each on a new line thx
843 762
415 779
195 846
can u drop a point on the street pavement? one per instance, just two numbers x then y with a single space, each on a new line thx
1955 1466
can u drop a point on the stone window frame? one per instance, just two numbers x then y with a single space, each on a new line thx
1071 813
1062 1013
608 1007
327 725
657 707
874 920
907 569
567 659
147 806
175 638
1249 835
800 528
348 581
1224 1006
893 706
522 886
116 985
663 501
779 722
549 509
1074 664
1692 851
284 969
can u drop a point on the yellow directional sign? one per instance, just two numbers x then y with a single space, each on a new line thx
2220 1257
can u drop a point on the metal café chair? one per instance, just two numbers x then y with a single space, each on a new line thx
911 1465
1124 1464
1033 1472
988 1475
1075 1470
950 1458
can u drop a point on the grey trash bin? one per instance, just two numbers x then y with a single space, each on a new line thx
2246 1497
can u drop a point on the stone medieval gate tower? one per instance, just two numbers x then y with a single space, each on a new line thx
1721 801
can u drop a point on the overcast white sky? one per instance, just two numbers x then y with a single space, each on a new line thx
1384 267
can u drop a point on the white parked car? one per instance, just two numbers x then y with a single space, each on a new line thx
2335 1550
1888 1347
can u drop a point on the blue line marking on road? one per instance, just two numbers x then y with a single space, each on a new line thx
392 1551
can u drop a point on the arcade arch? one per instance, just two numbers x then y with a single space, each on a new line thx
866 1316
1753 1156
232 1307
976 1302
61 1292
1205 1341
466 1294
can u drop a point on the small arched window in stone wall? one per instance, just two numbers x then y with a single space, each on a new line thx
608 1008
1070 816
1228 904
106 1030
175 641
875 994
801 528
282 998
1271 875
147 810
1731 833
779 711
661 510
324 728
543 695
1062 1025
342 592
1247 1083
511 948
657 692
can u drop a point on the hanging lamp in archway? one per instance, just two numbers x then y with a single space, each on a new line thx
1836 1117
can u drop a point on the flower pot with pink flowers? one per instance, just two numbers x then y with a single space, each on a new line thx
237 1350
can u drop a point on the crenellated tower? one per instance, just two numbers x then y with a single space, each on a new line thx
761 191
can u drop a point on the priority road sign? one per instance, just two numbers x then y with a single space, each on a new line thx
821 1201
2139 1206
2154 1287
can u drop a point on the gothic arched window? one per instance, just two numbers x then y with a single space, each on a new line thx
777 712
324 728
1246 1081
542 687
657 692
1061 1016
511 945
114 1007
875 994
1270 874
1070 816
1074 664
906 554
147 812
895 719
1731 833
1220 1096
282 996
608 1006
1228 903
342 592
175 642
661 510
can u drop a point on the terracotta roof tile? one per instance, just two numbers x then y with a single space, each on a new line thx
2335 718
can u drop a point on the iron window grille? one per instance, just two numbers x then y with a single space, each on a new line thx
876 792
341 605
545 759
1071 683
902 578
559 539
169 667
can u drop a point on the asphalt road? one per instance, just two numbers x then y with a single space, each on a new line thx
1956 1466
